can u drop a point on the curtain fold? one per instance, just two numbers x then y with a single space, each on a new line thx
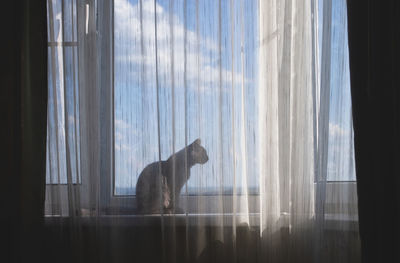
261 86
23 137
373 40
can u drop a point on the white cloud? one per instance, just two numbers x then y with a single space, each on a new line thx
118 136
121 124
200 70
340 155
71 120
122 147
336 130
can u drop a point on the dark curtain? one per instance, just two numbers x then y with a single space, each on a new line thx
374 46
23 138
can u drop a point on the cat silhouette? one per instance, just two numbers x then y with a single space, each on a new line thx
155 191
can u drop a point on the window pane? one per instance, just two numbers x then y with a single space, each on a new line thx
182 86
63 102
341 148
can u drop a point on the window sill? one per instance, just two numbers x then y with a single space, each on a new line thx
331 223
226 220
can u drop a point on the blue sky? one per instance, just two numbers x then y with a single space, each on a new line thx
135 90
341 155
136 135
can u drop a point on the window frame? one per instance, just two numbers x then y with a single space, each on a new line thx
117 204
60 206
109 203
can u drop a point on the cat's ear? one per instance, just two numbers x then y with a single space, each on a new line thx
197 141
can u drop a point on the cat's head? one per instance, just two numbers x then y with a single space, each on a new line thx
197 153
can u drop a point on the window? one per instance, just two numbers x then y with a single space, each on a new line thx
181 88
158 96
341 192
63 164
341 167
63 124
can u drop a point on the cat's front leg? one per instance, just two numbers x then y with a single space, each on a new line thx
166 194
176 204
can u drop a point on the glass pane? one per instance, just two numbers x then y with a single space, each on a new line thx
63 102
341 148
198 80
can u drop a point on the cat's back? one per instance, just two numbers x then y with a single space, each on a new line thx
147 187
148 178
149 172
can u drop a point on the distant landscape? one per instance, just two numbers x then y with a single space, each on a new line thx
195 191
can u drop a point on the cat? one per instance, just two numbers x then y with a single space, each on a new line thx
152 192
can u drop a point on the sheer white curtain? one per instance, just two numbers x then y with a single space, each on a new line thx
263 84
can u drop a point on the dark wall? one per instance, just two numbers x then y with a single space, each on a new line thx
129 243
122 241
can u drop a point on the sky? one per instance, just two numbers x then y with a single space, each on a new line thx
340 154
136 89
222 113
136 109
